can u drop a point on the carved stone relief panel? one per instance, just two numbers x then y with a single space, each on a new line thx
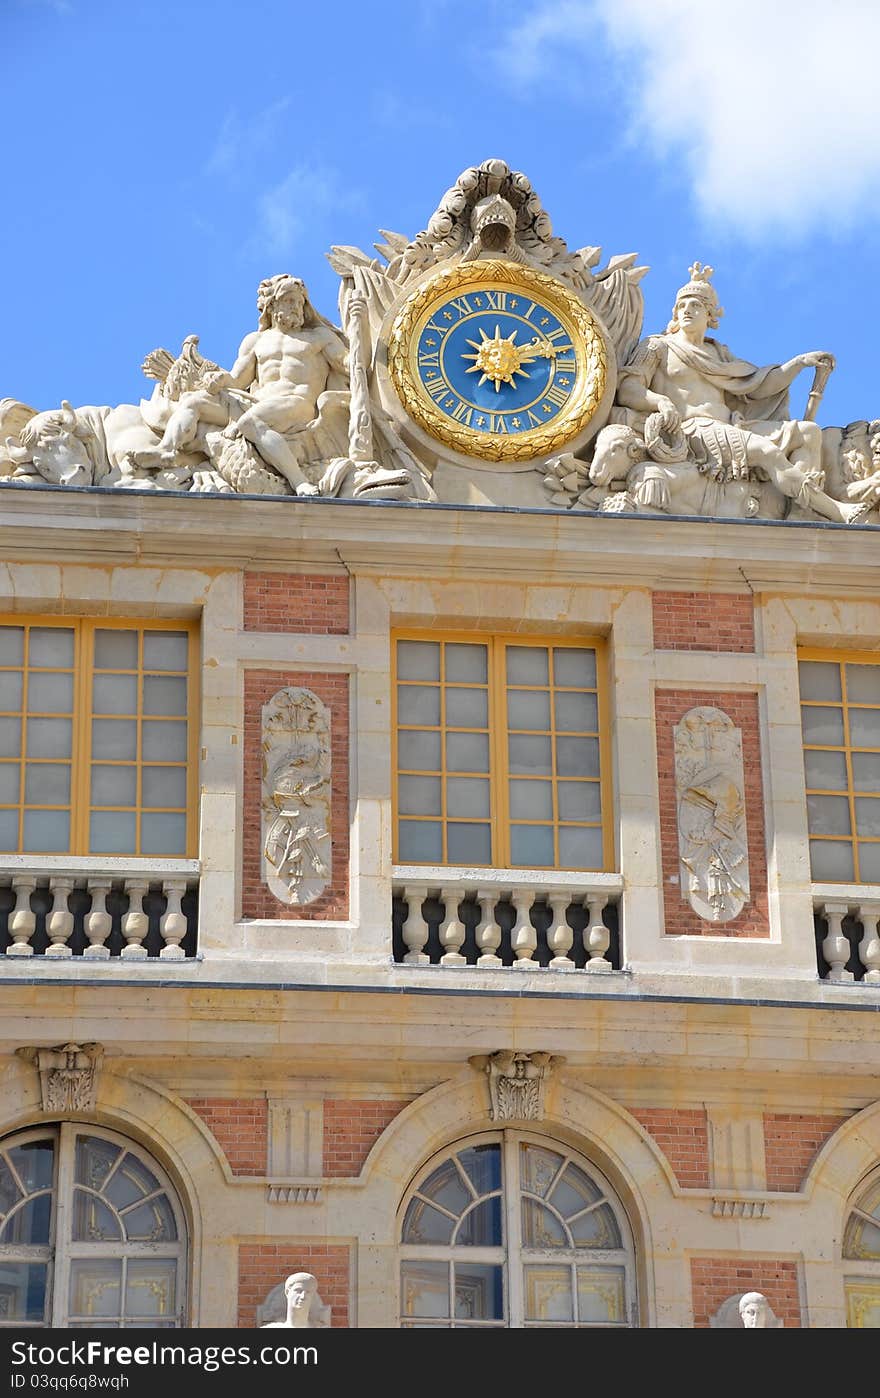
296 843
68 1075
516 1082
709 787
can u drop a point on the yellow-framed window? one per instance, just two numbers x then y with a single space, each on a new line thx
500 752
840 718
98 727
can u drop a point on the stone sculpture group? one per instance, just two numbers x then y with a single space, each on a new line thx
306 409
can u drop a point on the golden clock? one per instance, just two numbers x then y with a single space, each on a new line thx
498 360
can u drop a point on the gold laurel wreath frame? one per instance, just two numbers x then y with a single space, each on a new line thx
587 340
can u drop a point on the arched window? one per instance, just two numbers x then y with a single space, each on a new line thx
861 1252
91 1233
510 1231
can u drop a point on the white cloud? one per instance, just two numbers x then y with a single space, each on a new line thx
770 105
306 194
238 141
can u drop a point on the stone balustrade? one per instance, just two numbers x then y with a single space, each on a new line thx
133 909
847 935
506 918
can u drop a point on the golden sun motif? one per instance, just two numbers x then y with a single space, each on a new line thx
500 358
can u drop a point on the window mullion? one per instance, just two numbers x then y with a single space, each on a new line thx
63 1221
510 1144
498 776
80 766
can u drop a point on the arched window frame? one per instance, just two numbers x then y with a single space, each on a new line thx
862 1272
512 1255
62 1254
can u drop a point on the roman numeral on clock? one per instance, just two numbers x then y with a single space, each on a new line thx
557 396
438 388
429 359
497 300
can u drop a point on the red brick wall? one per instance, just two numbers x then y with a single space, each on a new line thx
703 621
259 686
791 1141
239 1125
713 1279
683 1136
351 1128
306 603
263 1265
670 705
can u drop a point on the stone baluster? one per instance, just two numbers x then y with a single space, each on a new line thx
172 923
59 921
488 931
560 936
523 937
836 948
869 946
135 923
451 932
597 938
415 928
98 922
22 920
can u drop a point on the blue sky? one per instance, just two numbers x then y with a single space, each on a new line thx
162 157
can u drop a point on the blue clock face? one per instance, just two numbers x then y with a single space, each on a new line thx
496 361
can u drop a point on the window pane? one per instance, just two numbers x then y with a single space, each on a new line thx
114 694
418 795
10 737
528 708
576 713
576 669
548 1293
9 830
467 796
116 650
163 833
416 752
819 679
130 1182
531 800
164 695
11 690
112 832
418 660
113 786
483 1167
828 815
539 1168
540 1228
823 726
150 1223
831 861
580 849
49 737
478 1291
150 1286
50 693
446 1186
868 815
93 1220
425 1224
28 1226
866 771
11 645
34 1163
163 786
467 708
419 705
50 647
579 800
47 784
166 650
420 842
826 771
481 1228
10 782
869 863
597 1229
95 1158
527 665
24 1291
531 846
115 738
9 1190
577 757
95 1287
46 832
601 1295
163 741
864 728
467 664
468 844
574 1192
467 752
424 1289
863 684
526 755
